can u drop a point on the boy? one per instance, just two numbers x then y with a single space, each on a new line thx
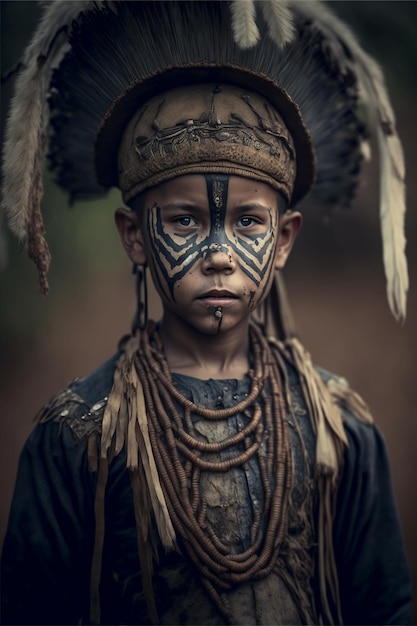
208 473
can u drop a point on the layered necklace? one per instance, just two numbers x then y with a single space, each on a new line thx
181 456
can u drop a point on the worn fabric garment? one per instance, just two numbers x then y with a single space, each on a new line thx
47 553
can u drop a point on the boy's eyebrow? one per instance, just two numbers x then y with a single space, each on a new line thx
182 204
251 206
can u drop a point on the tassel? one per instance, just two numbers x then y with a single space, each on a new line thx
245 30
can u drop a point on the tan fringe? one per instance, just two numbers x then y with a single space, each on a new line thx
151 476
331 440
92 456
142 509
326 419
126 416
95 609
325 414
323 405
115 407
125 425
327 570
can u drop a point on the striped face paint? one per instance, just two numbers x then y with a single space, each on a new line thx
174 254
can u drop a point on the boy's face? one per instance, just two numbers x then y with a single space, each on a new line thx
213 241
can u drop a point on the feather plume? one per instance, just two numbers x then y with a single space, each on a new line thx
345 48
245 30
22 141
26 131
319 69
278 17
392 213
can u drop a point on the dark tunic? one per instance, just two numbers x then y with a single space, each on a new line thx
46 560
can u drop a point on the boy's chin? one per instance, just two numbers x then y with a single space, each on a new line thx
212 326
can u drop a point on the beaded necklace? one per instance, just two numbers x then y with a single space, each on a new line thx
181 457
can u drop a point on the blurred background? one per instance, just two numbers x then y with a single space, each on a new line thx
335 278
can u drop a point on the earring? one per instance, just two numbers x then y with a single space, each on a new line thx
141 317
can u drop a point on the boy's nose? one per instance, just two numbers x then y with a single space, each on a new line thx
218 257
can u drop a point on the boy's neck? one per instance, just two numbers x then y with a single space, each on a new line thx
204 356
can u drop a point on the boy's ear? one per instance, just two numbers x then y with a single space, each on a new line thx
128 225
289 225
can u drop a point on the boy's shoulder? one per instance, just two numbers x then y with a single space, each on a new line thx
81 404
364 439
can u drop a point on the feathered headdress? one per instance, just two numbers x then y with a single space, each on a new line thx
86 56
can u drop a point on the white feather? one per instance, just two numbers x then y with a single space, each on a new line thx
26 129
278 17
21 146
245 30
392 167
392 214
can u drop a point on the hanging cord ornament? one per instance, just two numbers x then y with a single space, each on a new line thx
141 317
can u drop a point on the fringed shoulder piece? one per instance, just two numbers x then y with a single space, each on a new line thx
348 399
67 407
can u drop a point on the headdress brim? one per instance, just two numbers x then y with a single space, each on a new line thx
115 120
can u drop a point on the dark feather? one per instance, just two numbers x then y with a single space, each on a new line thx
112 51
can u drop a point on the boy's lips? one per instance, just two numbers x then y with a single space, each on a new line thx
217 297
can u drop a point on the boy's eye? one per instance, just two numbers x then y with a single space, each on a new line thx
185 220
245 222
